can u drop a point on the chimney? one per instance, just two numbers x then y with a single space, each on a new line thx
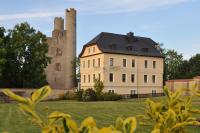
130 36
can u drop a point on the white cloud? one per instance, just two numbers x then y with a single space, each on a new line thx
29 15
98 7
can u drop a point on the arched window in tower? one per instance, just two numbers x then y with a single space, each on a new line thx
58 52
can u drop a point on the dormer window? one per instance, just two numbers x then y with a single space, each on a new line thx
145 50
112 46
129 48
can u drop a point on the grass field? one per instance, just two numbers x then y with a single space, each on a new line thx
105 113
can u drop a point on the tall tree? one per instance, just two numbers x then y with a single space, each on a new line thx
172 63
184 70
26 57
2 49
194 63
76 67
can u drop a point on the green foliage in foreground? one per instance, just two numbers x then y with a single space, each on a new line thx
176 111
171 115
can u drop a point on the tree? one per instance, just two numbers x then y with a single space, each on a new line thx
184 70
26 58
2 49
98 86
172 63
194 63
77 68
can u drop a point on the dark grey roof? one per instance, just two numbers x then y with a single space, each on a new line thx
125 44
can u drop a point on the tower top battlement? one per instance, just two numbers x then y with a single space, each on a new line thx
70 10
58 23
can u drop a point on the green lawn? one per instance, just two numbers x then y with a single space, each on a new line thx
105 113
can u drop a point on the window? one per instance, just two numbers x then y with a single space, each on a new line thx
93 49
123 77
84 78
99 61
111 61
58 52
133 63
93 77
58 67
124 62
129 48
145 49
154 64
99 76
88 78
112 46
88 50
145 78
111 91
93 62
88 63
153 78
111 77
133 92
153 92
83 64
132 78
146 63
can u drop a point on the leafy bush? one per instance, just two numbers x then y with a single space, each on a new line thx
79 94
89 95
70 95
111 97
62 96
171 115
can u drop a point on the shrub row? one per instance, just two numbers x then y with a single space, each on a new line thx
89 95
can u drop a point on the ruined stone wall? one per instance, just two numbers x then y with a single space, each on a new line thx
62 50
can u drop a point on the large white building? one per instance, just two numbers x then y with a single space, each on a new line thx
127 64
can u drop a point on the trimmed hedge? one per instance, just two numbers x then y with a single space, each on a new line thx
111 97
89 95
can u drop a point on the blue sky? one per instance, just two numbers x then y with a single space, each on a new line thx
176 23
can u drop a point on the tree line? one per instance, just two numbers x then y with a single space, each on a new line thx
176 67
23 58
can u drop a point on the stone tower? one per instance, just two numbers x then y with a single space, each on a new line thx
62 49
